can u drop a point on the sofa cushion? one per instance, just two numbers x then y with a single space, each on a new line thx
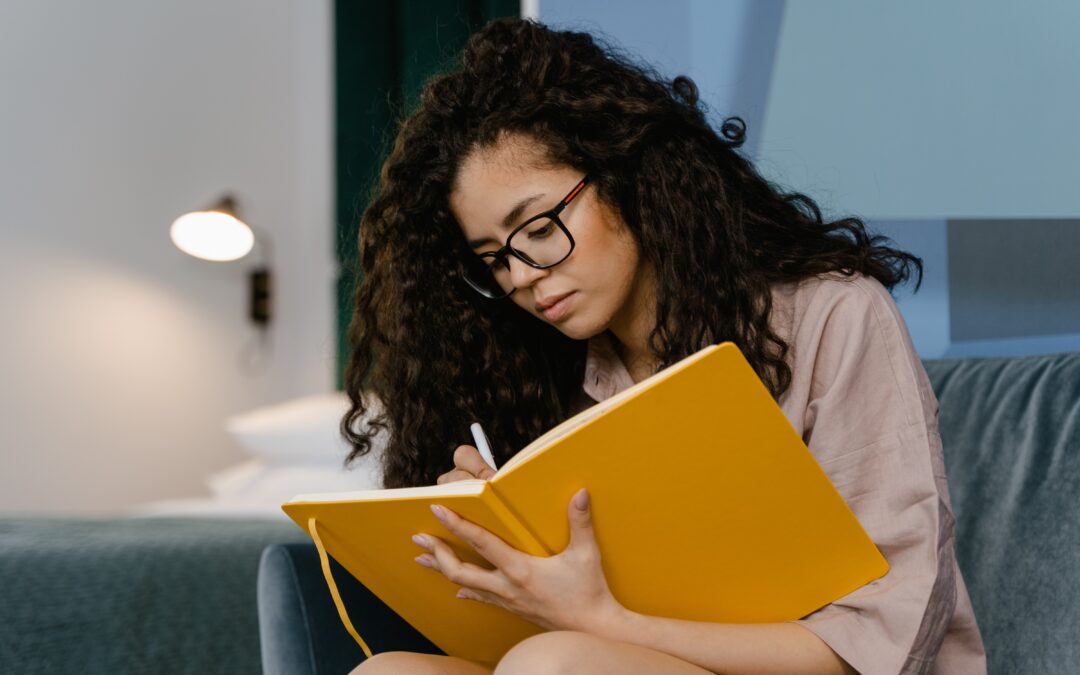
1010 429
300 632
139 595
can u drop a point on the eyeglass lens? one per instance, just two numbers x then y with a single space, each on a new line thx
540 243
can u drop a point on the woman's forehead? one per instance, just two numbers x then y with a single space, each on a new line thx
489 199
496 195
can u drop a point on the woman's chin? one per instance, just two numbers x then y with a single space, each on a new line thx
575 324
575 328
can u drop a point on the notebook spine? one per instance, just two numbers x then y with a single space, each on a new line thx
534 546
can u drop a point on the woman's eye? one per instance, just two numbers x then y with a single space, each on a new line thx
543 231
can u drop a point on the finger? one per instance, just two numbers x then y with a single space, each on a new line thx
463 573
468 458
582 536
477 595
490 547
454 475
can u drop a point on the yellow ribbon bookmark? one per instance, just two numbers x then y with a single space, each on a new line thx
325 561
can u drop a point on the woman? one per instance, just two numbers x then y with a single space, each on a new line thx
555 223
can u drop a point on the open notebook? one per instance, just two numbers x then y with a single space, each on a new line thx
706 504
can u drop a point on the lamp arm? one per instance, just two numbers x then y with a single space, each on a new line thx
265 244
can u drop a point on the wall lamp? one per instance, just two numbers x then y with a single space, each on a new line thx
218 234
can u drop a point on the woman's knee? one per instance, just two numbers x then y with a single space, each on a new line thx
392 662
420 664
561 651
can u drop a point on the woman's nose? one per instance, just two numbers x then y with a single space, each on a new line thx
522 275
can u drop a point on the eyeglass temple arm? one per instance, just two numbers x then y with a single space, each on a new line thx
573 193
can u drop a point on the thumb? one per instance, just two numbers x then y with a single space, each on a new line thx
581 529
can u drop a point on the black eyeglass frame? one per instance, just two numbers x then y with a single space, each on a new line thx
501 255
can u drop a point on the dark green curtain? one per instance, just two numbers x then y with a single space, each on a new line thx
384 52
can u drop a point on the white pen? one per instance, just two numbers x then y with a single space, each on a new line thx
482 444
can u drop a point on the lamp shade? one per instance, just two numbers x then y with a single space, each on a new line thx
212 235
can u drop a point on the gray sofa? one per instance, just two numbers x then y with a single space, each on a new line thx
1011 433
132 595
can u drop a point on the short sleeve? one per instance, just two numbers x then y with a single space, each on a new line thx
869 417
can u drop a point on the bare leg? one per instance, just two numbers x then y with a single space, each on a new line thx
547 653
575 652
418 664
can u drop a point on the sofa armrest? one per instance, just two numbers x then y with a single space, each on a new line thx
300 632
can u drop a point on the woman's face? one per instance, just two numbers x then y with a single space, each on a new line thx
598 286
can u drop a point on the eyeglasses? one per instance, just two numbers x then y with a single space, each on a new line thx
540 242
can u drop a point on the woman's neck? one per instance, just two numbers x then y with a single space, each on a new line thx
639 365
631 330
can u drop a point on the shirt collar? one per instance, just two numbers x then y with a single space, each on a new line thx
605 374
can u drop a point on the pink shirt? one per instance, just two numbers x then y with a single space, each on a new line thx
861 401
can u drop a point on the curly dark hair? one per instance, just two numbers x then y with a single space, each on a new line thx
438 356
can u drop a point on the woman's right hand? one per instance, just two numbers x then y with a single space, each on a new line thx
467 464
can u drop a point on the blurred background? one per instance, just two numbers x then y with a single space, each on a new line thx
138 379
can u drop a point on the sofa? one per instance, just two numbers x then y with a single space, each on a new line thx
132 595
1011 434
169 586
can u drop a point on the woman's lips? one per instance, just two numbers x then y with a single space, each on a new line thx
556 311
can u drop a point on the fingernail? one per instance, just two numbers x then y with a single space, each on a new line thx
439 512
581 500
424 560
421 540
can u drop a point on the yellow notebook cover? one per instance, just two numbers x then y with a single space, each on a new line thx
706 505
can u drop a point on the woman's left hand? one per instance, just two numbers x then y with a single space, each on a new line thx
567 591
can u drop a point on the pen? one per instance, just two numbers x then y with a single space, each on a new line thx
482 444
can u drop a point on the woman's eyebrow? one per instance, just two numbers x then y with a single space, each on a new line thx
509 220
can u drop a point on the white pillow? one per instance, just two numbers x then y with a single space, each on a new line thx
302 431
253 488
256 482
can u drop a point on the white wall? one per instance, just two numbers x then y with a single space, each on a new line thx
725 46
119 354
928 109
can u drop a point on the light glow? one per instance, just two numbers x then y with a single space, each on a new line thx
212 235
